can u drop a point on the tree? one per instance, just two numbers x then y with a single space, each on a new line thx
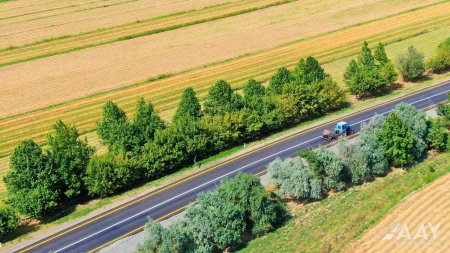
214 223
309 71
417 122
145 123
70 156
295 179
437 137
331 168
282 77
113 128
440 61
106 174
221 99
189 106
369 74
411 64
397 139
33 184
8 220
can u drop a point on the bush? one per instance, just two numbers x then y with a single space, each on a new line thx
411 64
331 168
8 220
295 179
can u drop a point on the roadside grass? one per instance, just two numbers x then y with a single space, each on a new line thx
164 93
332 224
425 42
70 43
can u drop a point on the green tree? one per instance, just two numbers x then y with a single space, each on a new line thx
173 239
309 71
145 123
114 128
214 223
9 220
437 137
397 139
440 61
106 174
282 77
189 106
33 183
417 122
70 156
331 169
295 179
221 99
369 74
411 64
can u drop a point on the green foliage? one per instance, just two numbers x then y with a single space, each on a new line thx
8 220
145 123
330 168
282 77
365 157
309 71
440 61
411 64
188 107
397 139
33 183
416 121
444 110
437 137
295 179
221 99
106 174
369 74
112 128
70 156
219 221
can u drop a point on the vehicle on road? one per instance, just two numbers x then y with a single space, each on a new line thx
342 129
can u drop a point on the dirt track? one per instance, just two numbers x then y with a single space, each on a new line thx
27 21
428 206
44 82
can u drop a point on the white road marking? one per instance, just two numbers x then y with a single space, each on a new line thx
220 177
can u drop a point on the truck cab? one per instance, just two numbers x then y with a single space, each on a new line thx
343 128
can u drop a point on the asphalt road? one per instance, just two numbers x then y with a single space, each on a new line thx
103 229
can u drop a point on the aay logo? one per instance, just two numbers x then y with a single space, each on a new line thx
425 233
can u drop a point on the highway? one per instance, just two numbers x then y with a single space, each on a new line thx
129 218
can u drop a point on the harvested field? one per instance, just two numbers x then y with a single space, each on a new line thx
26 21
164 93
429 205
64 44
65 77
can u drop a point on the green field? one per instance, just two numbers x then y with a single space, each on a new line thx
331 224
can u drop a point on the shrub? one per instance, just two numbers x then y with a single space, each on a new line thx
295 179
411 64
8 220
